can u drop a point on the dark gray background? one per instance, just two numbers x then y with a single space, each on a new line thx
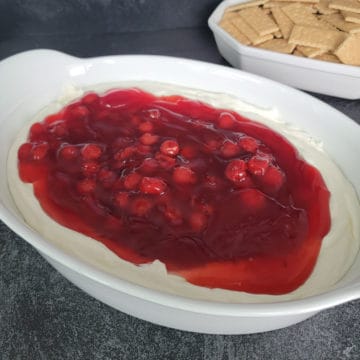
42 315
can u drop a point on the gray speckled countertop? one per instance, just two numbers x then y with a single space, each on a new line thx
42 315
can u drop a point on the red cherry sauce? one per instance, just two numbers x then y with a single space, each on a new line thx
222 200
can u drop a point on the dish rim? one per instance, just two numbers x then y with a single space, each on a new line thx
301 306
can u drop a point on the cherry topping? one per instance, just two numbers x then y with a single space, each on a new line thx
221 200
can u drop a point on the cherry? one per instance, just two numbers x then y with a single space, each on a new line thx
170 147
140 206
86 186
198 221
226 120
189 152
212 145
252 199
106 177
273 179
146 126
154 113
184 175
144 149
132 181
165 161
121 199
80 111
58 129
91 152
90 99
24 151
258 165
236 171
172 214
152 185
39 151
149 166
149 139
68 152
248 144
125 153
229 149
37 129
90 168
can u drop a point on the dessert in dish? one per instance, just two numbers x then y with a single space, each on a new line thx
221 200
318 29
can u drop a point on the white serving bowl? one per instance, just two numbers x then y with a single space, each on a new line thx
31 80
308 74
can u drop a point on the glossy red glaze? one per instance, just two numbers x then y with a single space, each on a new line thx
222 200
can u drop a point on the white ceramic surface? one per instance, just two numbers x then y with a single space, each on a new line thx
303 73
24 92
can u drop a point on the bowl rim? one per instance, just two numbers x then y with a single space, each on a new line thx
291 307
304 62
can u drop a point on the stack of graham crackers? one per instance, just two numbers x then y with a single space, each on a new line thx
321 29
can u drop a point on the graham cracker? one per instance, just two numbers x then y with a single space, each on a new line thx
351 16
327 57
310 51
245 5
228 16
279 45
323 7
272 4
348 5
249 32
285 24
316 37
301 15
235 32
301 1
338 21
349 51
259 21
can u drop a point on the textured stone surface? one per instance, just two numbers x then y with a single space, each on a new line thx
101 16
42 315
